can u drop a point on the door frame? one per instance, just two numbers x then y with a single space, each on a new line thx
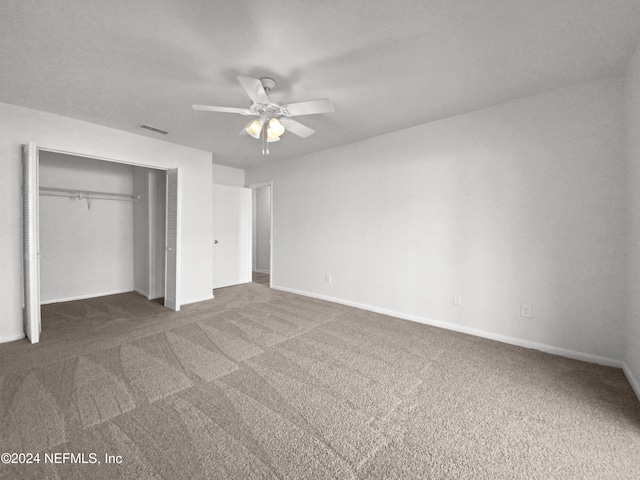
272 230
104 159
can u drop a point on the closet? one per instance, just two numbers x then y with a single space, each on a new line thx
101 228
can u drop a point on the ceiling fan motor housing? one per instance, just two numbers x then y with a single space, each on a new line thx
267 83
268 110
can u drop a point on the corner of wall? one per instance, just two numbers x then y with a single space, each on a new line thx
631 351
633 381
223 175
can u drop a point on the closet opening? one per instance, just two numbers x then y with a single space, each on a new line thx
96 228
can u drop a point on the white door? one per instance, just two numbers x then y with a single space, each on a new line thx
172 239
232 235
31 242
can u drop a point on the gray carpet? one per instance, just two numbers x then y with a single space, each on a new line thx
261 278
263 384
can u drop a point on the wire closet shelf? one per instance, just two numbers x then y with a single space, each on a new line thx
88 195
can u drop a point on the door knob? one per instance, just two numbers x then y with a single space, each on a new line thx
215 242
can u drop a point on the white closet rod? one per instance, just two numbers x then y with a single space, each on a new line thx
88 194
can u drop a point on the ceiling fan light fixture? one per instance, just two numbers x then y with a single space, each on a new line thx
254 128
271 137
274 119
275 127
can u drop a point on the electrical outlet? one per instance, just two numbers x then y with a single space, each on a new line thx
525 310
457 300
327 278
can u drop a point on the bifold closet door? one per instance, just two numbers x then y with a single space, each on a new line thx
31 242
172 254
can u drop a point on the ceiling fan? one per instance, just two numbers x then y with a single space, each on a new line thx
273 119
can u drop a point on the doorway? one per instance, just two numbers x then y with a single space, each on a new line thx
262 233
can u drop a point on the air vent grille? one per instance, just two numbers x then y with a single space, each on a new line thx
153 129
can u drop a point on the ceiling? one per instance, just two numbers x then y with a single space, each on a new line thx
385 65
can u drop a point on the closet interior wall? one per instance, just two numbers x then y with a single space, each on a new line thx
149 231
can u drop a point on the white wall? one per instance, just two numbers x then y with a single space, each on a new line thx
223 175
20 125
157 227
149 231
632 334
84 251
524 202
141 231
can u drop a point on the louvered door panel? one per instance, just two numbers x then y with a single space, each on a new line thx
172 259
31 242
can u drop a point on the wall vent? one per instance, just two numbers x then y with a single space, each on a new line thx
153 129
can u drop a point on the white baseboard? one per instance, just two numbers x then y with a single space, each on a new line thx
140 292
260 270
148 296
585 357
196 300
83 297
12 338
633 381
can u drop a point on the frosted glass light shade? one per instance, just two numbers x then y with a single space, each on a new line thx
276 127
271 137
254 128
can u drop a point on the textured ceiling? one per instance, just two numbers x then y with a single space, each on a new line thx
385 65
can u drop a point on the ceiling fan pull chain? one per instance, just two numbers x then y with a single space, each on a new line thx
265 144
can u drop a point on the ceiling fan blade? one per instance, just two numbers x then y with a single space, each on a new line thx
211 108
254 89
296 127
308 108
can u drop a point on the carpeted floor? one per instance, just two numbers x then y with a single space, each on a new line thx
261 278
263 384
